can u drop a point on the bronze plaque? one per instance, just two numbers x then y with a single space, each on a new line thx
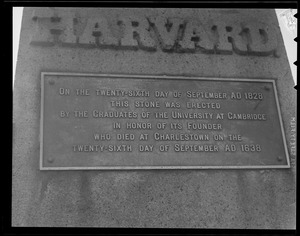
100 121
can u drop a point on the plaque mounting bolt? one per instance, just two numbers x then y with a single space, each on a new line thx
267 88
51 82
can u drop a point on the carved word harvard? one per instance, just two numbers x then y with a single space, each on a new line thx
151 33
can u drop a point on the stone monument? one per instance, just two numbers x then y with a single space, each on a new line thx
153 118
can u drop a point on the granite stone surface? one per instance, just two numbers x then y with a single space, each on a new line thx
252 199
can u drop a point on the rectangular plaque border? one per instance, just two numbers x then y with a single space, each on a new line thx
169 77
